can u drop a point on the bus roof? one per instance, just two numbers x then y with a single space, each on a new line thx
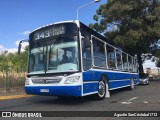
86 27
69 21
78 24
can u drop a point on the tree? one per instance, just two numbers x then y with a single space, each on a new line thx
20 60
14 61
131 24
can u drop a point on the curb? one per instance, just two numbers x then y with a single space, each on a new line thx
14 96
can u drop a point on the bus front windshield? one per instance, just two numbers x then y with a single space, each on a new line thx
55 55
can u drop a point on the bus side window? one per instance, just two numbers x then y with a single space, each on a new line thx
130 62
135 65
86 50
98 53
111 57
125 61
87 60
119 59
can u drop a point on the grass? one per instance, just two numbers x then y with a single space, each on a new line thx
12 79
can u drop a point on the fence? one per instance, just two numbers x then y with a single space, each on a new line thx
12 80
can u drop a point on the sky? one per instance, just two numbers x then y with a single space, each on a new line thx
19 17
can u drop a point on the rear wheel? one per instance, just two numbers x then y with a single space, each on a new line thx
132 84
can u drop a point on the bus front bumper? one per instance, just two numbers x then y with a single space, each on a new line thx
54 90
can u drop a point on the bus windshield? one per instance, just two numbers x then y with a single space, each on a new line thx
56 55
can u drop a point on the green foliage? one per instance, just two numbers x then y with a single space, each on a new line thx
131 24
14 60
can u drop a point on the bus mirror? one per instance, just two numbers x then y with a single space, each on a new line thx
19 47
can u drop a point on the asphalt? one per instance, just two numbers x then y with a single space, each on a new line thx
19 94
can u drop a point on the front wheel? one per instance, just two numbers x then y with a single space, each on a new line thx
101 90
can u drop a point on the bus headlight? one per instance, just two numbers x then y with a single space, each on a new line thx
27 82
71 80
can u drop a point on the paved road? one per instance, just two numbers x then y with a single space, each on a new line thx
142 98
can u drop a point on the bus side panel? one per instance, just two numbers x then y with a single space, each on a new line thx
136 82
120 79
118 84
90 83
116 79
90 87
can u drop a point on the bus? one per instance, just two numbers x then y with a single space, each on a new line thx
70 59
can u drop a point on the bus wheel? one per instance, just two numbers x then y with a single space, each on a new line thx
101 90
132 84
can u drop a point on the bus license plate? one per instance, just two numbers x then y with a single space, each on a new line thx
44 90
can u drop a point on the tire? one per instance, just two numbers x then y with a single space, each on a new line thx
147 83
101 89
132 84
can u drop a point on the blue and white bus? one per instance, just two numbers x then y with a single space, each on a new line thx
69 59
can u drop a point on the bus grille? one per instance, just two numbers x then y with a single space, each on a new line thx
46 81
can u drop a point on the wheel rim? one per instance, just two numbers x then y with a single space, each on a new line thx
102 89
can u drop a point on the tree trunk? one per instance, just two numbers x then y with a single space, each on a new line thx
140 63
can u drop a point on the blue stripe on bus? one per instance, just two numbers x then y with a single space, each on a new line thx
54 90
119 84
95 75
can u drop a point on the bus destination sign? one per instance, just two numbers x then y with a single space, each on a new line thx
55 30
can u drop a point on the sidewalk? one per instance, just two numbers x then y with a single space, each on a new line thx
13 95
12 91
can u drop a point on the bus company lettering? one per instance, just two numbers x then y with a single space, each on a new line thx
34 115
15 114
120 114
